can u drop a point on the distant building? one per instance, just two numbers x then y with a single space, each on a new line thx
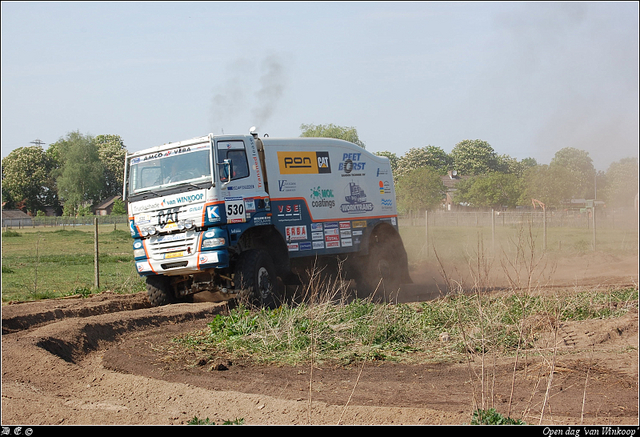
105 207
450 181
15 218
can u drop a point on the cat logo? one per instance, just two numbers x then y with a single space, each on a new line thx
304 162
323 162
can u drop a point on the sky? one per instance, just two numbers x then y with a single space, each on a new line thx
528 78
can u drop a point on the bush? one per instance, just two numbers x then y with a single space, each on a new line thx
492 417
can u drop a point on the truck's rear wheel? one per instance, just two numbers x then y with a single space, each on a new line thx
380 274
256 277
159 291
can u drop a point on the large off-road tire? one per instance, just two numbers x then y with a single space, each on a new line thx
159 291
255 277
380 273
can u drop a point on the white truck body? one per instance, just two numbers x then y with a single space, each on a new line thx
291 199
324 192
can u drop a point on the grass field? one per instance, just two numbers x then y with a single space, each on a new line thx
44 262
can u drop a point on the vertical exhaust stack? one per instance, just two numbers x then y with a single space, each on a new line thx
263 164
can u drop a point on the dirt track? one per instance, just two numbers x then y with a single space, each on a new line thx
107 360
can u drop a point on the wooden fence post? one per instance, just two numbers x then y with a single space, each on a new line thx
96 262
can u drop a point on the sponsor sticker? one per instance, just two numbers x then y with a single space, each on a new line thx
304 162
286 186
289 213
261 220
382 172
294 233
316 227
170 237
213 214
356 200
305 245
143 266
234 207
387 204
211 257
352 165
322 198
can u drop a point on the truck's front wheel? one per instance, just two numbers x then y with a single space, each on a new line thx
256 277
159 291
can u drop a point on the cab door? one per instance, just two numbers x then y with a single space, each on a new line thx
241 181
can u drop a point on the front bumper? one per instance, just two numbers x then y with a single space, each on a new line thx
184 265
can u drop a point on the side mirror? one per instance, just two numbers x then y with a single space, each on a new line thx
225 171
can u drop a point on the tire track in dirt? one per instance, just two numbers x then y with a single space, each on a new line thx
53 373
92 361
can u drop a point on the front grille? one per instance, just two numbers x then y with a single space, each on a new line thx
171 246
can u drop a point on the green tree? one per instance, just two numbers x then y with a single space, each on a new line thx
112 153
493 190
119 207
544 183
81 174
331 131
474 157
527 163
419 189
577 174
427 156
622 183
25 177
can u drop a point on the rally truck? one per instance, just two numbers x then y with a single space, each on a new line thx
244 215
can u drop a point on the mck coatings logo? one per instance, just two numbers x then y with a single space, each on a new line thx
322 198
304 162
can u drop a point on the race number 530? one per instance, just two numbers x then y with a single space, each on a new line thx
234 207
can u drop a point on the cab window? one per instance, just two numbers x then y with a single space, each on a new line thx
233 151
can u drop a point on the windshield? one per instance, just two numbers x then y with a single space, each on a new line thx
164 169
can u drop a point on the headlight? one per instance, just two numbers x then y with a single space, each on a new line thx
148 230
213 242
139 253
185 224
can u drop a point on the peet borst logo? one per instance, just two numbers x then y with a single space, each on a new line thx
304 162
352 165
